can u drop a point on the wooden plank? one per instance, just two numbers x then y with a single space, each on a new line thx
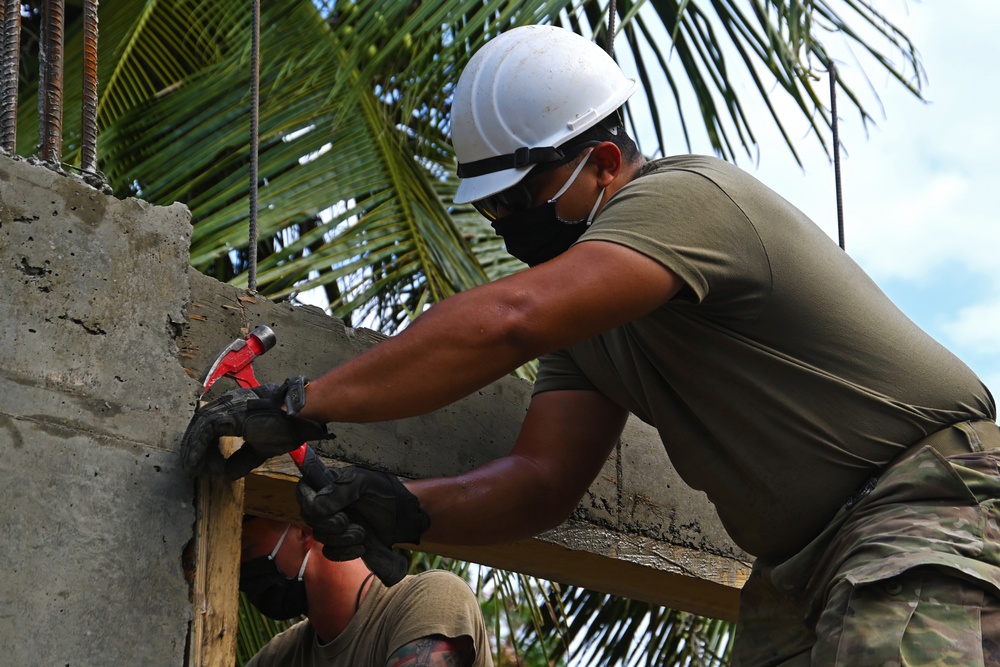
215 594
539 557
270 492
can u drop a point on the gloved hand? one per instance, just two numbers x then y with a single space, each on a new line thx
257 416
361 513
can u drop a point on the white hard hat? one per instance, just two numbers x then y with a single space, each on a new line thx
523 94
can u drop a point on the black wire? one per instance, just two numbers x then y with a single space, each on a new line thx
836 152
612 11
254 145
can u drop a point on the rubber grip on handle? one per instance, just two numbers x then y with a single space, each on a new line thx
313 471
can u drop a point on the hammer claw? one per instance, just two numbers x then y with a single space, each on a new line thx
234 361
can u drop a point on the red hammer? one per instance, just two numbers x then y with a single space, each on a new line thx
235 361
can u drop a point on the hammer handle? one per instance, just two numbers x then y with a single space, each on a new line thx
313 470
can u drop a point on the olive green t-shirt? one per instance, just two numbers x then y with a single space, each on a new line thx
435 602
781 376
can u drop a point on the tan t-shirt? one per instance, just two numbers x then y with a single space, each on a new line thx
781 375
435 602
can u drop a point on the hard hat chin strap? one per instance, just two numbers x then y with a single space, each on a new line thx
522 157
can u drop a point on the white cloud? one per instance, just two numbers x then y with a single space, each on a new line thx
976 327
910 230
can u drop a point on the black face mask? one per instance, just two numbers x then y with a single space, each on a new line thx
270 591
537 235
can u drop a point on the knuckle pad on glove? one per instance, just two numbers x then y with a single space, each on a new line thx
354 536
336 527
195 447
334 498
270 433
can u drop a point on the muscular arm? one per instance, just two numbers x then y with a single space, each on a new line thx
434 651
478 336
565 439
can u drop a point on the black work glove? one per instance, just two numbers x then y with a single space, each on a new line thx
256 415
361 513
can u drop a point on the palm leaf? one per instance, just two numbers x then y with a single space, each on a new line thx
365 91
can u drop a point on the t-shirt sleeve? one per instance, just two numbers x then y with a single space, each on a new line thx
279 650
558 371
438 603
685 220
689 223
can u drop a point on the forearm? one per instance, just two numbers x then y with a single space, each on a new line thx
471 339
502 501
455 348
564 441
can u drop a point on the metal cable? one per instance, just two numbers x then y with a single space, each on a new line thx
88 123
254 145
836 152
612 11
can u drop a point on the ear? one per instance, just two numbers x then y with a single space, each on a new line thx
304 534
609 162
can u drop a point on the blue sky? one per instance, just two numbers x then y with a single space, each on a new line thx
919 189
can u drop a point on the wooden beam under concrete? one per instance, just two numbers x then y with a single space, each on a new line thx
575 553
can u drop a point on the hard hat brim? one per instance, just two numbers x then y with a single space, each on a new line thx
479 187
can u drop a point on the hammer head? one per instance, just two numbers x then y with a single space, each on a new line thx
234 360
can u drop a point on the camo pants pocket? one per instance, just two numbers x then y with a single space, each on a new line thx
924 616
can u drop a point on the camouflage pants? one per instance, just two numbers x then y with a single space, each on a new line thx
908 576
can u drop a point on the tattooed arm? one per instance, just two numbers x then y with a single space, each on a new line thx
434 651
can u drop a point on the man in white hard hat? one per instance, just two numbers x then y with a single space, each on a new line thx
852 454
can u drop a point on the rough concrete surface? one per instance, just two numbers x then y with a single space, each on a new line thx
95 511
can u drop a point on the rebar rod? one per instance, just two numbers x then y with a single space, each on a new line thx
50 102
88 126
9 75
254 144
834 125
612 11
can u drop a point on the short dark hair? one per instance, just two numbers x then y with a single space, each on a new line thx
612 129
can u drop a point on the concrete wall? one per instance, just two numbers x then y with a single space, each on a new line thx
103 326
94 511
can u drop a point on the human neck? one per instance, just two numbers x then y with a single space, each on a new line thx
336 599
628 172
632 169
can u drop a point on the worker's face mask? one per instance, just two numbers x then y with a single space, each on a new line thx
539 234
269 590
